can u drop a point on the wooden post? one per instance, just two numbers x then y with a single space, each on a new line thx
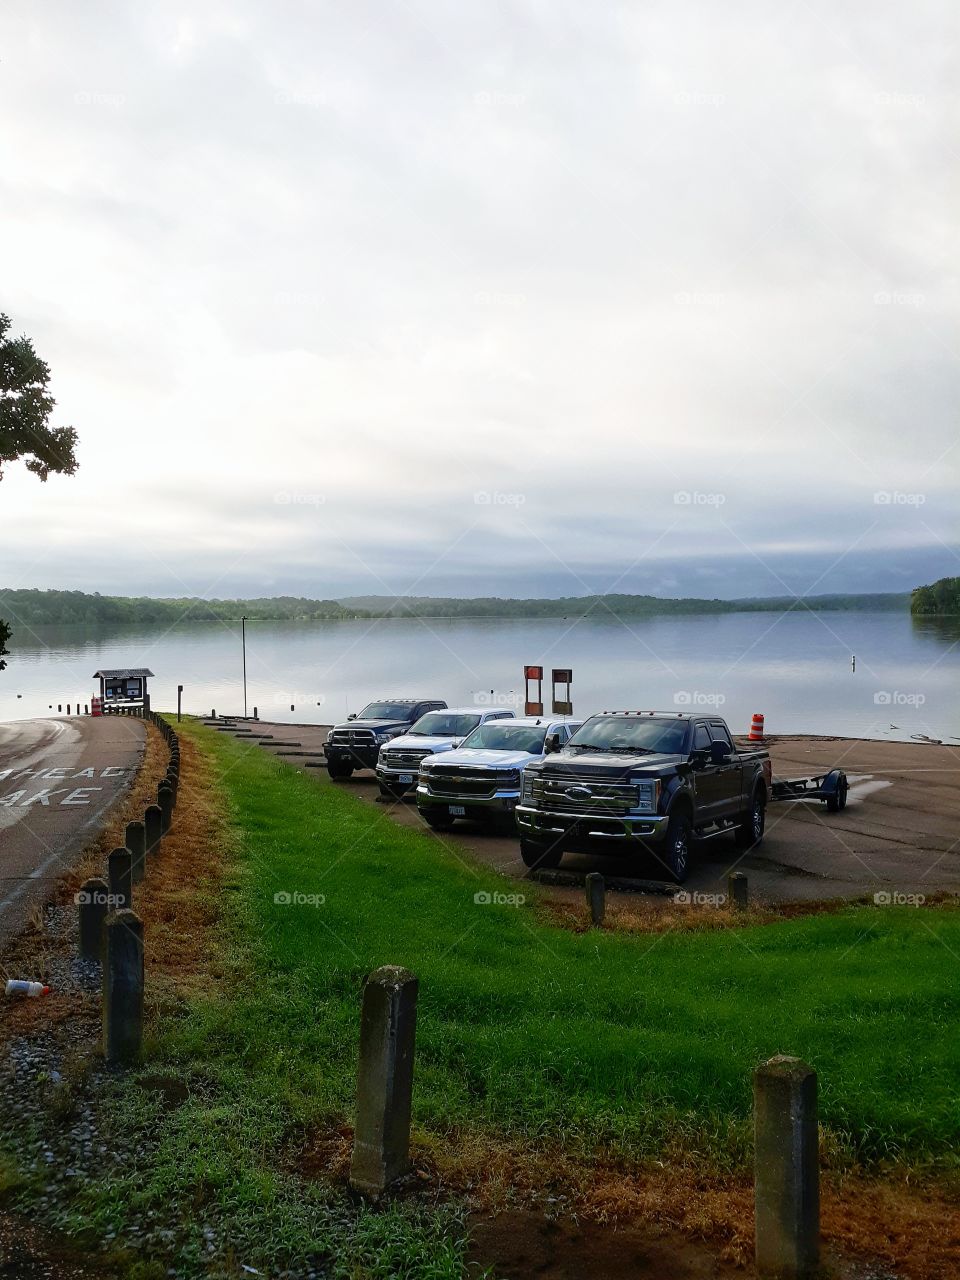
737 891
123 987
152 823
92 903
120 876
135 839
596 898
165 801
786 1169
388 1025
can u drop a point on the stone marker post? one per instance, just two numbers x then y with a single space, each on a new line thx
786 1169
152 821
122 987
388 1025
136 841
737 891
92 904
120 876
165 801
596 898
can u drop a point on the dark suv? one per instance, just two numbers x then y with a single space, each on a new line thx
356 743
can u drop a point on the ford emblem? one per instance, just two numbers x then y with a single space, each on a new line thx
579 793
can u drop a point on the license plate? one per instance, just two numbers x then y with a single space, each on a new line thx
457 811
406 778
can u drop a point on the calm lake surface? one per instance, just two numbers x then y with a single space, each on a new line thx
795 668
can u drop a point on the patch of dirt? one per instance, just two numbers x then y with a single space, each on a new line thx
663 915
544 1212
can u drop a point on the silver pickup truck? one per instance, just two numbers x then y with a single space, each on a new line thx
481 779
439 731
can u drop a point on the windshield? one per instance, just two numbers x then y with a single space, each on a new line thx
497 736
443 724
632 734
386 711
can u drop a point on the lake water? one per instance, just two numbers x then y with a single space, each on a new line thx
795 668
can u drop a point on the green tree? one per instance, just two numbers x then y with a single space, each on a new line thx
25 408
25 431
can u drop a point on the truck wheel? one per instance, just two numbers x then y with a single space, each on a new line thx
337 769
677 846
750 828
387 794
535 854
838 801
437 821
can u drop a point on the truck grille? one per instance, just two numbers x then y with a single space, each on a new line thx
450 782
353 737
402 759
590 795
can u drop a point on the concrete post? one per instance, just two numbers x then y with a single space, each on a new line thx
165 801
737 891
120 876
135 839
786 1169
388 1025
596 898
92 904
152 823
122 987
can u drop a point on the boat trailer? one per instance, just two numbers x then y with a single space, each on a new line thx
829 788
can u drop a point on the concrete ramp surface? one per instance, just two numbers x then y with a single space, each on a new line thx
59 779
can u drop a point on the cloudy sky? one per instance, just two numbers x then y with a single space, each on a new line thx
510 298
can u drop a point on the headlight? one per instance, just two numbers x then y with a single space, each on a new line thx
526 786
648 793
509 777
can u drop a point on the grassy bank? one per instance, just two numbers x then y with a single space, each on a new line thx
530 1037
639 1044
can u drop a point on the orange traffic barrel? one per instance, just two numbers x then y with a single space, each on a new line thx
96 707
756 728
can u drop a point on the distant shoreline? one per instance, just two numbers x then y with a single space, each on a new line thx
34 608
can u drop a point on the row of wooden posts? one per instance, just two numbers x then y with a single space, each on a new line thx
786 1148
110 929
738 894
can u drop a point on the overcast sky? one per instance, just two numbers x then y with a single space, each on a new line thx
504 298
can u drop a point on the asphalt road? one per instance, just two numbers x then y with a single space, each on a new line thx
59 778
900 832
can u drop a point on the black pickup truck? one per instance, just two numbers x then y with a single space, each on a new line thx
647 779
356 743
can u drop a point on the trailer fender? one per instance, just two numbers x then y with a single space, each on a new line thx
834 790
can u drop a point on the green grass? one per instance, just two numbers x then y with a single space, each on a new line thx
640 1045
529 1030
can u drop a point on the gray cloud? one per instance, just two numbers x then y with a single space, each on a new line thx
382 260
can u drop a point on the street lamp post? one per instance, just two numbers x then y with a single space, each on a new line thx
243 635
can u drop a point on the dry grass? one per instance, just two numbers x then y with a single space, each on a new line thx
913 1228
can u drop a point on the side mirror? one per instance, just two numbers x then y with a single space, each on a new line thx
551 743
352 715
719 752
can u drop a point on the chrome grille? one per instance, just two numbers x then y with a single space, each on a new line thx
402 759
591 795
451 783
353 737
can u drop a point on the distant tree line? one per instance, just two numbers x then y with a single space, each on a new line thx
72 608
600 605
941 597
79 608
